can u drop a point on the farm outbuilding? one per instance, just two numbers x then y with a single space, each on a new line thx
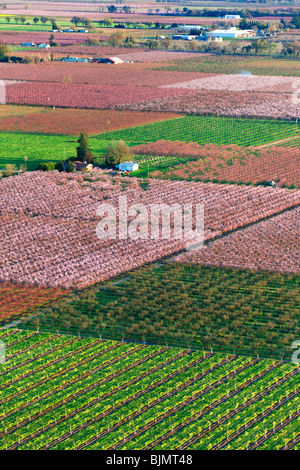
80 166
128 166
231 33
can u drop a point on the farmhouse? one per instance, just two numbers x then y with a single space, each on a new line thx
231 33
44 46
128 166
28 44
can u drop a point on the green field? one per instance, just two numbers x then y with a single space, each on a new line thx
227 310
41 148
202 129
208 129
65 392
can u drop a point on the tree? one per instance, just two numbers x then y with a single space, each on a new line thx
44 19
76 20
36 20
3 51
112 9
108 22
23 19
7 19
152 44
69 167
51 41
10 168
83 151
117 152
272 46
116 38
59 166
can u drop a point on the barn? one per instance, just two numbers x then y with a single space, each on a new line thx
128 166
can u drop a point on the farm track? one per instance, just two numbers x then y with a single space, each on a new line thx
42 354
58 374
213 405
158 400
76 395
273 431
132 397
291 443
187 444
259 417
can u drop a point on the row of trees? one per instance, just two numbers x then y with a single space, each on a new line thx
227 310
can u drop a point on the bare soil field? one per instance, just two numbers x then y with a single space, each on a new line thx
72 121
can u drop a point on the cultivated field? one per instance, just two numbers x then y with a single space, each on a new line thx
19 299
221 163
272 245
72 121
43 214
187 305
63 392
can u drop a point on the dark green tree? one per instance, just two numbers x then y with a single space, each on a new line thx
83 151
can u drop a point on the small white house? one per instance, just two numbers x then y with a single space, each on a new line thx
44 46
128 166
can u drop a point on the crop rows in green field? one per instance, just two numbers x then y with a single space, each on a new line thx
208 129
66 392
202 129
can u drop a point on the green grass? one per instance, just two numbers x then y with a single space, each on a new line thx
65 392
41 148
208 129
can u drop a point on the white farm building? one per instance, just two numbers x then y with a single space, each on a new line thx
128 166
231 33
232 17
